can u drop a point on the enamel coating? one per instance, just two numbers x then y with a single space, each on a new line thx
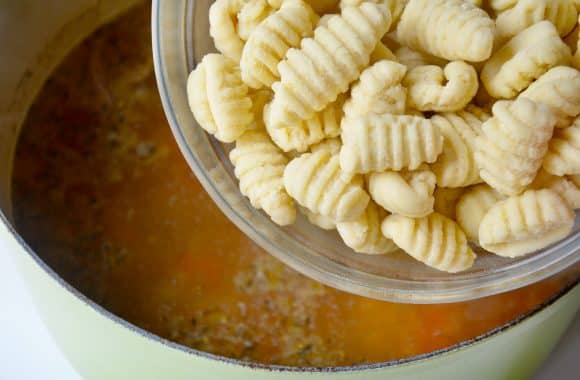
102 346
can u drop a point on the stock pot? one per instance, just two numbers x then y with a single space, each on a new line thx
34 37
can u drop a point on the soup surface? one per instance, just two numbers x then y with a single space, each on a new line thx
103 194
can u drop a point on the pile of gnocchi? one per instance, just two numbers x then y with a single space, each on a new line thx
420 125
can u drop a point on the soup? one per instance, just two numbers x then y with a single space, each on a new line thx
104 196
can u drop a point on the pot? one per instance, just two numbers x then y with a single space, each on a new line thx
103 346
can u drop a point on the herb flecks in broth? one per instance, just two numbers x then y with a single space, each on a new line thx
104 196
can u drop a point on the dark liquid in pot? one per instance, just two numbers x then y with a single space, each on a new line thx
102 193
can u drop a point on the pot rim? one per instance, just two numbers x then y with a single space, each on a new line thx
275 368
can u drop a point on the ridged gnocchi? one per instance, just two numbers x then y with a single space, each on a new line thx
378 90
364 234
270 41
472 207
259 166
563 157
456 166
219 99
301 135
563 186
450 29
525 13
251 15
396 7
512 145
223 25
523 59
560 89
404 193
434 240
314 75
314 180
374 143
523 224
431 88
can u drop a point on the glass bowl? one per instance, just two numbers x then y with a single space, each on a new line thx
180 39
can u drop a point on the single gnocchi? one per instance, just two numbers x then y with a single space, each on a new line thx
433 240
364 234
223 25
219 99
259 166
432 88
523 224
525 13
378 90
375 143
456 166
301 135
450 29
472 207
560 89
512 145
314 180
404 193
271 39
563 157
523 59
314 75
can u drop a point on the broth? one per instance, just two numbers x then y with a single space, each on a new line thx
103 194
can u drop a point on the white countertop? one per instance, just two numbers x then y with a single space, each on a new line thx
28 352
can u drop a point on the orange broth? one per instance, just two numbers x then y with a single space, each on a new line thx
103 194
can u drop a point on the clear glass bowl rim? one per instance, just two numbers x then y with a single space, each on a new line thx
170 51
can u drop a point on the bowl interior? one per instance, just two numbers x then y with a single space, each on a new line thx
180 39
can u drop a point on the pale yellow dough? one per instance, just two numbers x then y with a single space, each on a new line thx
523 59
314 180
223 25
412 58
560 89
314 75
472 207
450 29
270 41
364 234
374 143
378 90
456 166
526 223
563 186
432 88
434 240
303 134
219 99
404 193
318 220
259 166
512 145
251 15
563 157
525 13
